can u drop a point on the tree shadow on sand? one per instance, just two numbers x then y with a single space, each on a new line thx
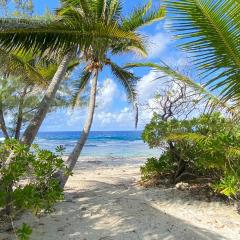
116 212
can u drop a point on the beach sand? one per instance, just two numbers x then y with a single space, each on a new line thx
103 201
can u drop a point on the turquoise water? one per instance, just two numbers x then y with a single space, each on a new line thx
99 144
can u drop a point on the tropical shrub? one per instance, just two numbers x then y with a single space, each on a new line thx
156 167
27 182
177 155
204 146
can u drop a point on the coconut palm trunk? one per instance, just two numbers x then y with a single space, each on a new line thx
2 123
73 157
19 120
34 125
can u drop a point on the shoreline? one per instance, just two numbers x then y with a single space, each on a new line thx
103 201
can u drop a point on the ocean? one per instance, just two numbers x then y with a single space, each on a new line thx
113 144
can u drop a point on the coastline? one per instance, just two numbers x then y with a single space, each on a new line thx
103 201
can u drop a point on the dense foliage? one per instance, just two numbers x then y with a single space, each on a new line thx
209 32
204 146
27 181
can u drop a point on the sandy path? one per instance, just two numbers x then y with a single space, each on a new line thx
104 202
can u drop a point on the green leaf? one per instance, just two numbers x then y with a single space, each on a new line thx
209 31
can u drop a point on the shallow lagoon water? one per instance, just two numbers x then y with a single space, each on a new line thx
114 144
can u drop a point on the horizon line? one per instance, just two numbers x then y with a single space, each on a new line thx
93 131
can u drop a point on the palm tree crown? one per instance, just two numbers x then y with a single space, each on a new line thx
76 24
98 54
210 32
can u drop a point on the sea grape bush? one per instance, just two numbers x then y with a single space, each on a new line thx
26 180
207 146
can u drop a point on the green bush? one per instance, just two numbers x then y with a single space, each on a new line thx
204 146
155 167
26 180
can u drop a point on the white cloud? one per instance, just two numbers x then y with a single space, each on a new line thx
75 117
148 86
104 118
157 44
123 117
106 94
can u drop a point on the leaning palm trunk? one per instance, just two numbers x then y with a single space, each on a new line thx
34 125
72 159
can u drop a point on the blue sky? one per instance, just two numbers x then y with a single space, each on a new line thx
113 111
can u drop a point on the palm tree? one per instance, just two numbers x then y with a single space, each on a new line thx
71 31
209 31
99 54
19 95
15 64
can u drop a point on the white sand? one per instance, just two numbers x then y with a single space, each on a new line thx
104 202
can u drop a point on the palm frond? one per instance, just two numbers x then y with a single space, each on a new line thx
194 137
130 46
100 6
233 152
114 10
19 65
38 35
210 32
73 64
129 82
211 100
127 79
141 17
79 86
81 5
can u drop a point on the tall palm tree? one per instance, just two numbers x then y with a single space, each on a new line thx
70 32
99 53
210 31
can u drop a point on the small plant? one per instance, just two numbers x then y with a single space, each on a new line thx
155 167
228 186
27 182
24 232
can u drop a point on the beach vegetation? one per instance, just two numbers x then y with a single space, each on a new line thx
204 146
27 182
208 31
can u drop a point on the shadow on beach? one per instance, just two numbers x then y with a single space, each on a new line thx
105 203
117 212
